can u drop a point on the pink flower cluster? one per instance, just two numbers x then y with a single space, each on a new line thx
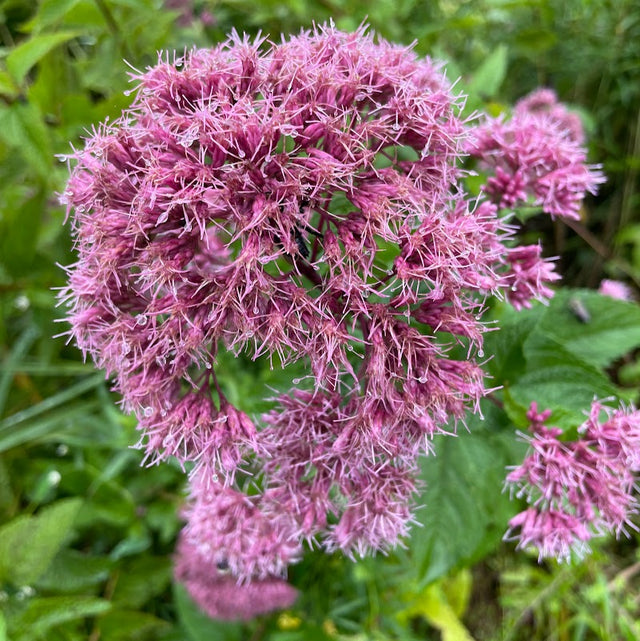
300 200
537 156
577 489
219 594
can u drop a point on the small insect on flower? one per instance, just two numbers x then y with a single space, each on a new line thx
223 566
301 243
579 310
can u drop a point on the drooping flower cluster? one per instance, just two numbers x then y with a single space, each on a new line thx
577 489
218 593
301 200
537 156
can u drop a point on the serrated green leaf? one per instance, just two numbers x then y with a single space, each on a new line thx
27 54
28 544
558 380
42 614
465 513
505 345
610 330
198 626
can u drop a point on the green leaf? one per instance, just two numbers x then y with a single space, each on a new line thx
432 603
42 614
53 423
27 54
28 544
611 329
465 513
19 349
72 571
129 625
558 380
22 127
111 504
3 628
198 626
49 12
489 76
8 87
21 212
56 400
141 579
505 345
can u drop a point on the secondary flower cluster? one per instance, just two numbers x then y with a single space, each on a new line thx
577 489
301 200
219 594
537 156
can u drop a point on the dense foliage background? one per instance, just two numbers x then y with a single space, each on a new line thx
86 534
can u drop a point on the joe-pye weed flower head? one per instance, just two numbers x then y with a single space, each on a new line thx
300 200
577 489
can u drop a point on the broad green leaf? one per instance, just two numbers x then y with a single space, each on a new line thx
610 330
28 544
558 380
72 571
505 346
42 614
28 53
138 540
142 578
198 626
129 625
488 78
464 513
